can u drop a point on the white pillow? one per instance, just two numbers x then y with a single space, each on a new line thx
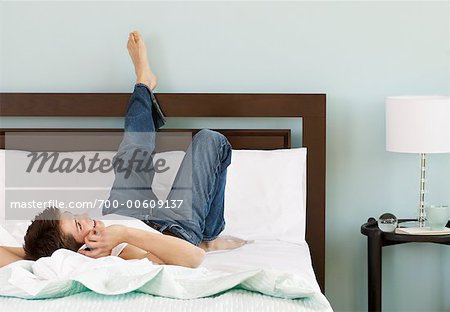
97 184
265 195
6 239
163 181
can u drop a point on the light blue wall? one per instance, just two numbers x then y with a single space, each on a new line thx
356 52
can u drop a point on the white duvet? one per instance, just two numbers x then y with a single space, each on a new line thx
53 276
274 268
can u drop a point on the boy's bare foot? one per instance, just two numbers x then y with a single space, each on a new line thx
223 243
138 52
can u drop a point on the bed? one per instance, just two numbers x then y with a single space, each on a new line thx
307 259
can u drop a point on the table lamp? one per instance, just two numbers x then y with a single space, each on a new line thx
418 124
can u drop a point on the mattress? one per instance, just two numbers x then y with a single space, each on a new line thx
269 254
233 300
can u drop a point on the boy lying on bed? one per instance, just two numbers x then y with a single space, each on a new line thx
185 239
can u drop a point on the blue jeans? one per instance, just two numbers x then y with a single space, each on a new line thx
199 183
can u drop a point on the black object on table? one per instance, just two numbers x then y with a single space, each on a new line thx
376 240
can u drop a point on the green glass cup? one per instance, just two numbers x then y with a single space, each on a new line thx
437 217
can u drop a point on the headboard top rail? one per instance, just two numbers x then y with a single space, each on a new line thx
173 104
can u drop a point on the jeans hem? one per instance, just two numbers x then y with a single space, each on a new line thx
208 239
161 121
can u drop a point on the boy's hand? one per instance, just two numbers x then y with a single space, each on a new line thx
101 240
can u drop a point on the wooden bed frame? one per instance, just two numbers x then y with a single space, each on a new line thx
310 107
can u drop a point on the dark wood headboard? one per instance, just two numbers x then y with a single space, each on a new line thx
310 107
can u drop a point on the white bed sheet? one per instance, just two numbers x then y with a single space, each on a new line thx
270 254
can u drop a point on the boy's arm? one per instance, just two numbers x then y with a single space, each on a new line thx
133 252
169 249
10 254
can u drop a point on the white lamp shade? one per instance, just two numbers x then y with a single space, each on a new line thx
418 124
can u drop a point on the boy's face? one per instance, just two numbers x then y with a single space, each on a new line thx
78 226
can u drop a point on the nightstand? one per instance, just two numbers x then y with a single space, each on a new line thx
376 240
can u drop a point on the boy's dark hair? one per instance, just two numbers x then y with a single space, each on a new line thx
44 236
